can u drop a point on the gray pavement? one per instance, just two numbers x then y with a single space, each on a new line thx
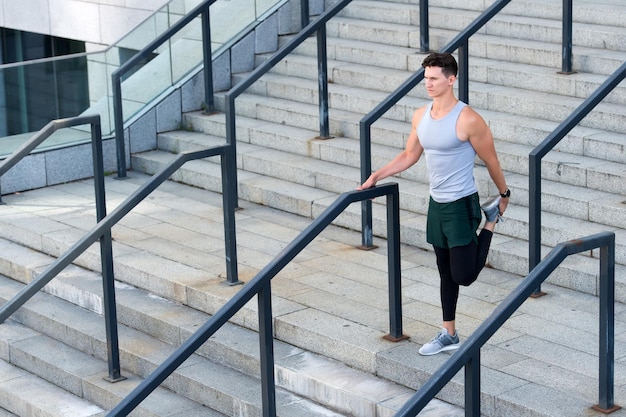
332 299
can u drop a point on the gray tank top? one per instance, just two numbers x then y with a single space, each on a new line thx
449 160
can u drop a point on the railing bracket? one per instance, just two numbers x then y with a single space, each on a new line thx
232 284
395 339
606 410
538 294
371 247
114 380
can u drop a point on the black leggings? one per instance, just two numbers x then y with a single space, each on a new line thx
460 266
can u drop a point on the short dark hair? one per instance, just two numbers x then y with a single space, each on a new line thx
444 60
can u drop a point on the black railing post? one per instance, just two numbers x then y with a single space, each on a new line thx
231 140
424 33
464 72
393 266
209 96
266 341
534 212
118 119
367 233
472 385
106 257
304 13
322 76
606 347
566 65
229 201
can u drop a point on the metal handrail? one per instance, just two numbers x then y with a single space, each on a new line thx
468 355
44 133
102 231
106 251
459 42
116 76
317 25
260 285
535 156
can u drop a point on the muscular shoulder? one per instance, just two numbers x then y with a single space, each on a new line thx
417 116
470 124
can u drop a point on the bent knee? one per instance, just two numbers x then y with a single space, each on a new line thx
466 279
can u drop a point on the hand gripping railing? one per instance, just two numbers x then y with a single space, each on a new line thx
468 355
260 286
102 231
535 156
460 42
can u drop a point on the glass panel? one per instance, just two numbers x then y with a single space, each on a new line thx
81 84
38 92
186 47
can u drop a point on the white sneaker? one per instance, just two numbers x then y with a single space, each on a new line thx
440 343
491 208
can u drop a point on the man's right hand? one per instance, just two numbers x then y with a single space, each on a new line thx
369 183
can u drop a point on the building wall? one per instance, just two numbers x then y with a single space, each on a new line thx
99 23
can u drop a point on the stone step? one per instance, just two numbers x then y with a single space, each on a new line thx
596 12
333 302
325 381
536 105
24 394
383 67
573 182
534 52
279 189
576 201
5 413
44 376
505 24
198 384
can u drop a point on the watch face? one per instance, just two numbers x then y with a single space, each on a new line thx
506 194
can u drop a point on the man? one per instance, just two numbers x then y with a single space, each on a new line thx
450 134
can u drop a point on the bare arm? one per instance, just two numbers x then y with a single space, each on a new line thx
405 159
472 127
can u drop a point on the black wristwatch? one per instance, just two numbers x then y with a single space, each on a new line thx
506 194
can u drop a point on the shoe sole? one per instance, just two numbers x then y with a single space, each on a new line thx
489 205
443 349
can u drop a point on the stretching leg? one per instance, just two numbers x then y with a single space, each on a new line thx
459 266
448 289
467 261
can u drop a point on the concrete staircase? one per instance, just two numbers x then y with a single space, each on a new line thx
373 47
331 360
53 349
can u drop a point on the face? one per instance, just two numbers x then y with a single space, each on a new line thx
436 82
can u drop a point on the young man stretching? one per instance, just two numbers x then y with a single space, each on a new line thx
450 134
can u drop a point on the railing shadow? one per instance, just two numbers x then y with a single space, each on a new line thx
468 355
260 286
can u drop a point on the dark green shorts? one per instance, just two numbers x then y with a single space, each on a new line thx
453 224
